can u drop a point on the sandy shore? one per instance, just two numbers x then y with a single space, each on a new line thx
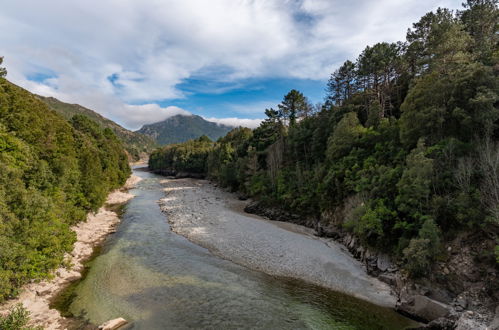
212 218
36 296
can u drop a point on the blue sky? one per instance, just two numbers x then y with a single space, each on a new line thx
139 62
247 98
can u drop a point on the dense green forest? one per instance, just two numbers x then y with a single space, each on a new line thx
52 173
403 153
137 145
181 128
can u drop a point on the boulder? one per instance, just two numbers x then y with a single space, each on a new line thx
113 324
383 262
438 324
423 308
388 279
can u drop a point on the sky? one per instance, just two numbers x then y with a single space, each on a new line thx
139 62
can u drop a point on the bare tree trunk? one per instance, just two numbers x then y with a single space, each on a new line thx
274 160
488 163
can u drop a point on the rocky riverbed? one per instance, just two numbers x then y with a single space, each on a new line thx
214 219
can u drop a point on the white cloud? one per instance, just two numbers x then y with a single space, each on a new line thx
236 122
151 46
253 107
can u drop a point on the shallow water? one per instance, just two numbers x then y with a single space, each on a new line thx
159 280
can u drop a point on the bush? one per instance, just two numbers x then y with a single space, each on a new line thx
16 319
421 252
417 257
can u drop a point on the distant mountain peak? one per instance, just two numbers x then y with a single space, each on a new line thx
180 128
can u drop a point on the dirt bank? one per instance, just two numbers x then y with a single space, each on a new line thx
36 297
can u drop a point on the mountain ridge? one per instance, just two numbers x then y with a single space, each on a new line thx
137 145
180 128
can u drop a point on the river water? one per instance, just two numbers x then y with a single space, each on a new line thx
159 280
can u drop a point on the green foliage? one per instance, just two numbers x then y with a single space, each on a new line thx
417 257
405 147
421 252
3 71
414 185
190 157
294 105
51 174
16 319
136 144
345 136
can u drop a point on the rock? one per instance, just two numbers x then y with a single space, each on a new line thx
113 324
43 292
423 308
462 302
352 243
442 323
387 278
468 322
494 325
383 262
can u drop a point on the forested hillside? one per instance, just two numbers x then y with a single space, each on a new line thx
181 128
137 145
52 173
404 153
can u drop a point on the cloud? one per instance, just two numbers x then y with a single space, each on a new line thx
236 122
253 107
108 54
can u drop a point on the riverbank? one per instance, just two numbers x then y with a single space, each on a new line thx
36 297
214 219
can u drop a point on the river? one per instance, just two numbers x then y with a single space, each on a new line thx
159 280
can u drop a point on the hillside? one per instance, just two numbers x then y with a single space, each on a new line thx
52 173
181 128
135 144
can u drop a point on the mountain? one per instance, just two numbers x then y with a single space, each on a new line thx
181 128
136 144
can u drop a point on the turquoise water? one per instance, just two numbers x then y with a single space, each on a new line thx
159 280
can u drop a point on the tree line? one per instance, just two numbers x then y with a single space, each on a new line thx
404 151
52 173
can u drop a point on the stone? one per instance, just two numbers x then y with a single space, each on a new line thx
494 325
441 323
43 292
423 308
467 322
113 324
462 302
387 278
383 262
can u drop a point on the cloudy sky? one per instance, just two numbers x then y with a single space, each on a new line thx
139 62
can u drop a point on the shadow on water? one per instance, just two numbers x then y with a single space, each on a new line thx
158 279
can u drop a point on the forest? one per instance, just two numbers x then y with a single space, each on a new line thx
403 152
52 173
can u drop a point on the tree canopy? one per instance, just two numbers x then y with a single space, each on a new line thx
403 151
